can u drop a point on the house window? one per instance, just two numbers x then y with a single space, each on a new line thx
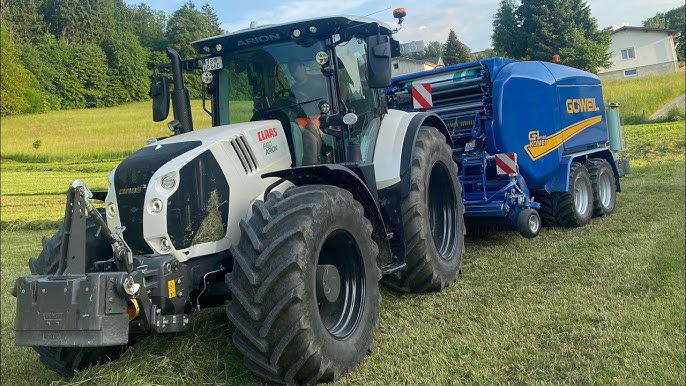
395 66
628 53
630 72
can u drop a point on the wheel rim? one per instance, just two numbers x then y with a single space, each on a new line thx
534 223
581 191
605 189
340 265
442 208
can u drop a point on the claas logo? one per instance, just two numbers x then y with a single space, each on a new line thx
263 135
581 105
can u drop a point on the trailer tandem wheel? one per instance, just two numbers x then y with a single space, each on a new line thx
604 186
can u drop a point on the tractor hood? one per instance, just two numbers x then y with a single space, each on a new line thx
184 195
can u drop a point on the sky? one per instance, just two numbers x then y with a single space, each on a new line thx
426 20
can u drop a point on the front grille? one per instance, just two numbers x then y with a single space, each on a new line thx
131 180
198 211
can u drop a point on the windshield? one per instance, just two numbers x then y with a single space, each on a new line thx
282 76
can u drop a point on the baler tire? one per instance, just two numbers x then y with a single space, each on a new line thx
548 208
287 328
575 207
528 223
433 218
66 361
604 186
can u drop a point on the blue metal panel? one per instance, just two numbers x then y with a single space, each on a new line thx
525 107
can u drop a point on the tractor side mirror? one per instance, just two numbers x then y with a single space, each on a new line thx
159 92
379 62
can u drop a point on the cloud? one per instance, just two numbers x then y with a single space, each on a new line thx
295 10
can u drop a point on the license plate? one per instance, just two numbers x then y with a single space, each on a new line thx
211 64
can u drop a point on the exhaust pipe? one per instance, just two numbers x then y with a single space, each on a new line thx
180 97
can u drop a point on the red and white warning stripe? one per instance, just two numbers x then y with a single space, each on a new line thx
506 163
421 96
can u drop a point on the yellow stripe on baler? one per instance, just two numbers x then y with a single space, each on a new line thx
556 140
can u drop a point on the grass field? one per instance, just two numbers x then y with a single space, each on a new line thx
595 305
644 94
602 304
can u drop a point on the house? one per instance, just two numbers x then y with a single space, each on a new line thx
400 65
638 51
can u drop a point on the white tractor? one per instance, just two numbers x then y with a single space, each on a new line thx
307 192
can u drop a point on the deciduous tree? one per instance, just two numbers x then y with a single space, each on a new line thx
672 19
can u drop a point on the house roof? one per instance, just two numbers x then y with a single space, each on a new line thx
645 29
432 61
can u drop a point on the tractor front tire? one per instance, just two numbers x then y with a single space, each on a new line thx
604 186
304 286
66 361
432 218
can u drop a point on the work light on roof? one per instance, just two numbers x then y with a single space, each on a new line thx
296 33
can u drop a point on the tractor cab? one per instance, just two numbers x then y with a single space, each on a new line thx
323 79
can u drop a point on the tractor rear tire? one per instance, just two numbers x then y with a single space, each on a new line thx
432 218
604 186
304 286
66 361
573 208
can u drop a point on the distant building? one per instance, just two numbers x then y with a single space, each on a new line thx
401 66
413 46
638 51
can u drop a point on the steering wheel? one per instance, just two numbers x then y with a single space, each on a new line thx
286 92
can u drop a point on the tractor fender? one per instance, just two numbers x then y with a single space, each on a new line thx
395 146
343 177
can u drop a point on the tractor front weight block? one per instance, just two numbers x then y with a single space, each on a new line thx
72 311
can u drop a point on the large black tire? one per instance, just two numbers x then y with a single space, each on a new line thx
295 251
573 208
548 208
604 186
432 218
67 360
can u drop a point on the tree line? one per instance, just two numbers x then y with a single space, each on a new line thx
65 54
540 29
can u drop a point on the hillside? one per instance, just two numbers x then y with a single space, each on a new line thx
642 96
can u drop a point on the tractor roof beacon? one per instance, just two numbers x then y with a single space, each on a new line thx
304 195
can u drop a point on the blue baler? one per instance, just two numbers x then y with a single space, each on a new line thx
542 116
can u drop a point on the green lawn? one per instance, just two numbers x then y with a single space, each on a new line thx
644 94
594 305
602 304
